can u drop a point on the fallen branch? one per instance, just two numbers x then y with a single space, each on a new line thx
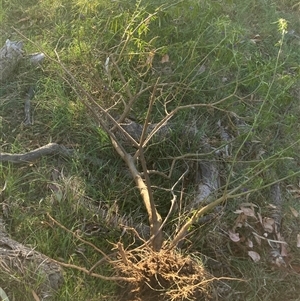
10 56
28 264
46 150
89 272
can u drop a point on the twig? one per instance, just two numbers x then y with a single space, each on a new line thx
164 121
155 218
78 237
91 99
269 240
96 264
84 270
230 195
138 94
173 199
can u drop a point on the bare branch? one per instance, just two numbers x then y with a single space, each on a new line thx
84 270
77 236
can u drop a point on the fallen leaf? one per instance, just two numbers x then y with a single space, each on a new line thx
268 224
256 39
249 243
260 218
248 211
150 58
279 261
234 236
258 239
294 212
239 211
254 255
284 251
240 221
3 295
35 296
165 59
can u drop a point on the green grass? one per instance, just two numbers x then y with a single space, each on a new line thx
212 55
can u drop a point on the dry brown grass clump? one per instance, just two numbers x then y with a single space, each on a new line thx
164 275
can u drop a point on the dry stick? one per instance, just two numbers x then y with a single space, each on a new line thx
78 237
201 211
96 264
102 110
155 219
139 183
135 97
129 94
150 207
172 113
173 199
132 98
135 233
84 270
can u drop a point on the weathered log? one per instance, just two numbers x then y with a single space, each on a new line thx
24 262
49 149
10 56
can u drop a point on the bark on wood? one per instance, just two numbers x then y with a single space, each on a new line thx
21 261
17 260
49 149
279 251
207 181
276 201
10 56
